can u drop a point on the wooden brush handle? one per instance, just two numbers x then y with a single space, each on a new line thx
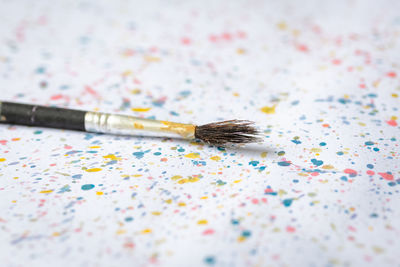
34 115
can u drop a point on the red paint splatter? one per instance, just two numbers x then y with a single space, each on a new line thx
336 62
362 85
391 74
350 171
392 123
369 172
254 201
67 147
386 176
208 232
3 142
56 97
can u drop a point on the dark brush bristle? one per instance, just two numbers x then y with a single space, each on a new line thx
232 131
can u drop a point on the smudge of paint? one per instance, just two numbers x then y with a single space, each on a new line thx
87 186
284 163
192 155
254 163
268 110
128 219
351 172
140 154
46 191
210 260
140 109
317 162
369 143
287 202
386 175
94 170
216 158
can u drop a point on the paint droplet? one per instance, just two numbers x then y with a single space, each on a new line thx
140 109
99 193
87 186
216 158
392 123
146 231
202 222
94 170
386 175
46 191
268 110
284 163
287 202
2 159
193 155
317 162
253 163
210 260
128 219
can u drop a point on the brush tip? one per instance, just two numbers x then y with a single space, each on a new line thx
226 132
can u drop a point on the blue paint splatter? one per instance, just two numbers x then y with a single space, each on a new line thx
287 202
254 163
317 162
284 163
87 186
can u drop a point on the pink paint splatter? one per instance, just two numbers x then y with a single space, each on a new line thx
208 232
3 142
386 176
302 48
290 229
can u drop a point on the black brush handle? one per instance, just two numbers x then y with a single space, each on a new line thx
34 115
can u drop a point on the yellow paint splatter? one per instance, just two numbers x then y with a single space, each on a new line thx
56 234
156 213
205 197
190 179
241 238
140 109
46 191
237 181
282 26
268 110
112 157
316 150
202 222
192 155
216 158
181 204
99 193
176 177
94 170
168 201
328 167
264 154
94 147
2 159
146 231
121 231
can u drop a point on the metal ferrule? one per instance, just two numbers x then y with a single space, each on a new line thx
128 125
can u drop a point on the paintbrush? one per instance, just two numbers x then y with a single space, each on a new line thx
216 133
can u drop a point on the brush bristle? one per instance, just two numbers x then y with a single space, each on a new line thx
232 131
